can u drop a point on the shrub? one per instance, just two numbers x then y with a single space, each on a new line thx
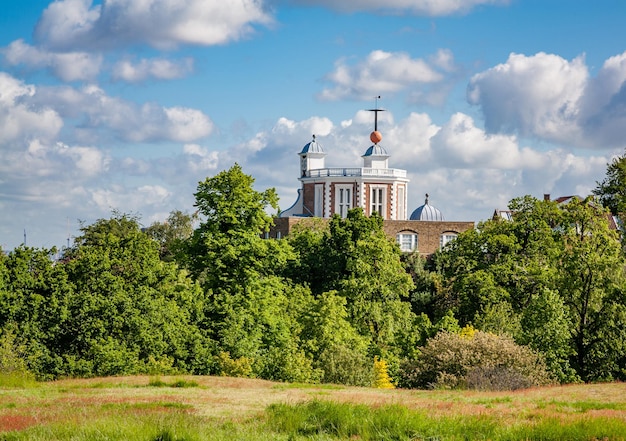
480 361
345 365
13 370
381 375
240 367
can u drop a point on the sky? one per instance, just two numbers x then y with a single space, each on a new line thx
126 105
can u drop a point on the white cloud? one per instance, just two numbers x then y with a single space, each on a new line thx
72 24
417 7
158 68
118 197
381 72
461 144
536 95
125 120
67 66
467 172
200 159
547 97
20 121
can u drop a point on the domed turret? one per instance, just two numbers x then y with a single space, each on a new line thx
311 157
427 212
312 147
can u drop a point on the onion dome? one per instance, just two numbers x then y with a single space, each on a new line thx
427 212
312 147
376 150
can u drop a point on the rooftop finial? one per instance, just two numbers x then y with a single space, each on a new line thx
375 136
426 202
376 110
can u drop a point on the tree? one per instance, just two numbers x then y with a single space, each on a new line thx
252 310
129 312
593 287
34 307
171 234
612 190
356 259
227 247
555 270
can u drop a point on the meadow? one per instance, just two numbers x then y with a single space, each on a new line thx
189 408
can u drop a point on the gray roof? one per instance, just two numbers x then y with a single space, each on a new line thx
376 150
312 147
427 212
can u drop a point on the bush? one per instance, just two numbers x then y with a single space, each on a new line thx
228 367
381 375
345 365
13 370
477 361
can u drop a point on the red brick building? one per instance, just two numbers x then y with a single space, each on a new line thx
375 188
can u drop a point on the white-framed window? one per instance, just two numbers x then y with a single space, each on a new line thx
378 200
400 213
445 238
319 200
407 241
343 199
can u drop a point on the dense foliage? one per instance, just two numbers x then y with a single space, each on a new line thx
336 301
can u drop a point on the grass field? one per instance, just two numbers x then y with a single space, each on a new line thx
221 408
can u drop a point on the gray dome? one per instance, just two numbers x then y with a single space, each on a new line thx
312 147
427 212
376 150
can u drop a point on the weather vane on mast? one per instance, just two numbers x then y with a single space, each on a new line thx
375 136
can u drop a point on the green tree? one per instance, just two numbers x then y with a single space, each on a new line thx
355 258
130 312
338 350
227 248
552 278
34 298
501 261
252 310
612 190
171 234
592 285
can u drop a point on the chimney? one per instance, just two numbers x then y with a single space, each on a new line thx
546 197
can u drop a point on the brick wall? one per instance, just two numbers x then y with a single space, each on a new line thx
428 232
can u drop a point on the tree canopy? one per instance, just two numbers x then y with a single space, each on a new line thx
334 301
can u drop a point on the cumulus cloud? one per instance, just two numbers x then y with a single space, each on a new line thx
67 66
126 120
417 7
467 171
20 121
79 24
119 197
200 159
461 144
382 72
157 68
550 98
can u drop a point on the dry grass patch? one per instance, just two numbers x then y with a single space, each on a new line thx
223 400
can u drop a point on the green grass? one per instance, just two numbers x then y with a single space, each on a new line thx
330 420
157 382
222 408
346 421
17 379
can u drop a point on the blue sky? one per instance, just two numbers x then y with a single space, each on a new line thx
127 104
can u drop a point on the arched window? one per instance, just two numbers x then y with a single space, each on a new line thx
407 241
446 237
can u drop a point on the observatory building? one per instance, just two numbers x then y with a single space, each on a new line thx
374 187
